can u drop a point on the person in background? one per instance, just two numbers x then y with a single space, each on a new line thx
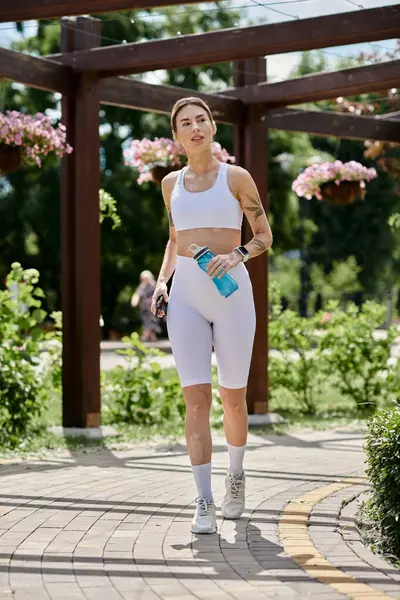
142 299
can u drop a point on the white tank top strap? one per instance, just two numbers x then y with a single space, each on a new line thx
182 174
223 172
178 181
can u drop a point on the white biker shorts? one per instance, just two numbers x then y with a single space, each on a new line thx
199 318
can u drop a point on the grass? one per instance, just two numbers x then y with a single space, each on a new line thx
332 410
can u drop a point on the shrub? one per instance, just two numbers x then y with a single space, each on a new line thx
21 390
342 280
355 356
383 453
296 368
138 393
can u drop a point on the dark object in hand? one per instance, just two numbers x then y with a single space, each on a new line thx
161 305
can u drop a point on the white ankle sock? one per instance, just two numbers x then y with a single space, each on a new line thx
236 456
202 478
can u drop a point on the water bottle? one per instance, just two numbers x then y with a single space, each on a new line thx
226 285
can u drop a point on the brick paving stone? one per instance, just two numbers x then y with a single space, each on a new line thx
115 524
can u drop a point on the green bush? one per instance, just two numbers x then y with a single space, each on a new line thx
342 280
383 452
355 358
296 368
138 393
21 388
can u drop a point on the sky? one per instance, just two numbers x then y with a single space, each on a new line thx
271 11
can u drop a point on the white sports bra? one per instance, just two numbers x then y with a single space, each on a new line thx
216 207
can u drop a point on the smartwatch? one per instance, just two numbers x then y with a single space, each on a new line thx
244 253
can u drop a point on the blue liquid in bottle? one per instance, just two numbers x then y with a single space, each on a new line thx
226 285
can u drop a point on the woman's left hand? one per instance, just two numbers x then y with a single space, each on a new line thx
220 264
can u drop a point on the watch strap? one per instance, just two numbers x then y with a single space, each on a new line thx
243 252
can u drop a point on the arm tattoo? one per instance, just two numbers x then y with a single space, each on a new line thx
170 219
260 245
254 206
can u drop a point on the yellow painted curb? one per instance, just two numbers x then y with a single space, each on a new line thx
297 544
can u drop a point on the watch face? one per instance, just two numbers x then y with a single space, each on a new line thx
243 250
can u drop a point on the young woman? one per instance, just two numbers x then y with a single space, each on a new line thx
205 203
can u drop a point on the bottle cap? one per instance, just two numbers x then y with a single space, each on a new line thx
194 248
197 251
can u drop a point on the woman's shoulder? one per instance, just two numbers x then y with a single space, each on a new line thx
237 171
237 177
168 184
169 180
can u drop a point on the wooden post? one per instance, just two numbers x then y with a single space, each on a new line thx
251 150
80 236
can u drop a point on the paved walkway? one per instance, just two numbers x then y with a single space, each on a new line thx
110 358
108 525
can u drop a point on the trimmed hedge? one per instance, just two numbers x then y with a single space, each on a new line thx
383 452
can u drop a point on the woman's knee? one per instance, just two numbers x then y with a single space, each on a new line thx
198 401
233 401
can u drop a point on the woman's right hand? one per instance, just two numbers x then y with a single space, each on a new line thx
161 290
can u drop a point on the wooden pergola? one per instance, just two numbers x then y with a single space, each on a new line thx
87 75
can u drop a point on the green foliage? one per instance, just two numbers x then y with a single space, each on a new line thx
342 346
361 229
383 453
285 273
296 368
139 394
108 209
355 356
21 391
342 279
289 153
394 221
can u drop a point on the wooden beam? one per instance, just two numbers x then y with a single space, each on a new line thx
118 91
80 240
36 72
22 10
125 92
341 125
347 82
251 150
240 43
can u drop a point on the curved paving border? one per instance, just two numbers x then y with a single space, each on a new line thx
298 541
388 575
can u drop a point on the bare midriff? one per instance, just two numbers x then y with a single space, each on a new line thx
220 241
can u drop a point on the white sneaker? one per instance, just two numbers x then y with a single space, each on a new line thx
204 520
234 502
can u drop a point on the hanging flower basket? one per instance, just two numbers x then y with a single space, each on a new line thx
154 159
10 158
29 138
335 182
344 193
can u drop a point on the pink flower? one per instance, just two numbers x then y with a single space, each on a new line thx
308 183
326 317
145 154
35 135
